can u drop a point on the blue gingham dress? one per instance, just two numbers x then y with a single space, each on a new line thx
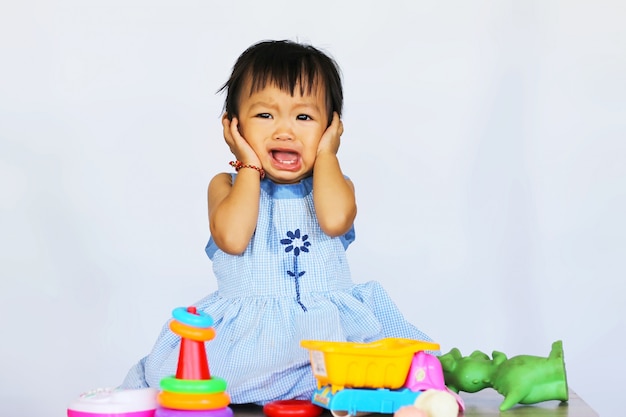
291 283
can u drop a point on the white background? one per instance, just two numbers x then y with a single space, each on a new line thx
486 140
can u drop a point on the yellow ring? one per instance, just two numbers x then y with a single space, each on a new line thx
180 401
194 333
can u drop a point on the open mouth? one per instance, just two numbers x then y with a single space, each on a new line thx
285 158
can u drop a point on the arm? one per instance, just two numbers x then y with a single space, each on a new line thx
333 195
234 207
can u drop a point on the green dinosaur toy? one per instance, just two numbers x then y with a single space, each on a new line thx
470 374
522 379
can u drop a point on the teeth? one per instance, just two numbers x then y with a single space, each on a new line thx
285 157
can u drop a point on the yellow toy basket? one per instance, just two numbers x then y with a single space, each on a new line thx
381 364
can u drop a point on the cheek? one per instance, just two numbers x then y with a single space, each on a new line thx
249 132
254 130
313 145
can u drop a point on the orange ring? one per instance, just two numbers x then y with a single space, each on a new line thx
180 401
194 333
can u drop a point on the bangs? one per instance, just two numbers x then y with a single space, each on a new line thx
286 73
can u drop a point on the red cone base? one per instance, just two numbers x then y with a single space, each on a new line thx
192 361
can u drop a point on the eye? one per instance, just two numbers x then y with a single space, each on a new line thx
264 115
304 117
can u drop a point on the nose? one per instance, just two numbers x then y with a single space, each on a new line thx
283 137
284 130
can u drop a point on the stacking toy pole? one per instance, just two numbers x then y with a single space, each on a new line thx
192 391
192 360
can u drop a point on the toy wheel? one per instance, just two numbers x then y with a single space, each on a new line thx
342 413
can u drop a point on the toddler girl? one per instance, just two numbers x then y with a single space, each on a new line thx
280 227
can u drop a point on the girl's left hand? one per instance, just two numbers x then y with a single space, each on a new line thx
331 138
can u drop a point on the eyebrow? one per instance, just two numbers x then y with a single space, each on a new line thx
262 103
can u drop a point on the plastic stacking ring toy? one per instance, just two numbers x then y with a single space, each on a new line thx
193 333
101 402
199 319
292 408
193 386
193 401
169 412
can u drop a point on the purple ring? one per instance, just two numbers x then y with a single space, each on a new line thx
170 412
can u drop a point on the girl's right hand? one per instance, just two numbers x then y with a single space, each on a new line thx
238 145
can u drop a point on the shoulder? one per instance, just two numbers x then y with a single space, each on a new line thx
223 177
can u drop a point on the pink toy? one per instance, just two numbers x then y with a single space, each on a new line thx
110 402
426 373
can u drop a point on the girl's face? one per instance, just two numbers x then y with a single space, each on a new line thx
283 130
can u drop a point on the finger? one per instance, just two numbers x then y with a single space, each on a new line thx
338 124
234 129
226 125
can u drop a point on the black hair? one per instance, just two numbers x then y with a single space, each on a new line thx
286 64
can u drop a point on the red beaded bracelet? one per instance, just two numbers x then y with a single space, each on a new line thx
238 165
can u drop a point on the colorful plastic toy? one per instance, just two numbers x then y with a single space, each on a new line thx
522 379
392 375
292 408
192 392
108 402
376 377
472 373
